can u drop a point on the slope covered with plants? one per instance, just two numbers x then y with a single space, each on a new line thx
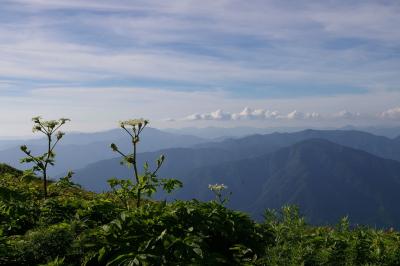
75 227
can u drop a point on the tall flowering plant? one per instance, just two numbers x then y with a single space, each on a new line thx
142 184
51 129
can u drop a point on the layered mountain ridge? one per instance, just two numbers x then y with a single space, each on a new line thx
329 174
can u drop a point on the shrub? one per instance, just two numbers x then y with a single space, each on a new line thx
179 233
43 244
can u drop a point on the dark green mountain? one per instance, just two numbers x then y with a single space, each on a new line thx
326 180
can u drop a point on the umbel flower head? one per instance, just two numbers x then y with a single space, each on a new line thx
134 122
49 125
217 187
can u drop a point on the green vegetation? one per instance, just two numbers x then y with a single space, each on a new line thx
71 226
145 184
75 227
41 162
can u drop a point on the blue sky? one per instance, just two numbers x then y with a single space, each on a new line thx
199 63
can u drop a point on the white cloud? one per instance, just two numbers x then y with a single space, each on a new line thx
347 115
262 114
42 47
250 114
257 114
100 108
393 113
296 115
269 46
216 115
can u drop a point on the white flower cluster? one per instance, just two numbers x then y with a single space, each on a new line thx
217 187
134 122
49 125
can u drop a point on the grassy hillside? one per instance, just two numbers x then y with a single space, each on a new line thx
76 227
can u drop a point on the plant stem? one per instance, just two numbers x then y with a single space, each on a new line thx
45 165
136 173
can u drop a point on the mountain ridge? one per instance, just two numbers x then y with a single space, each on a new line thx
286 177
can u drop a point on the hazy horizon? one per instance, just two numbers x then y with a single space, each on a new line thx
215 132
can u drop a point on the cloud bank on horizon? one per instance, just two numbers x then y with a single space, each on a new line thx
101 61
263 114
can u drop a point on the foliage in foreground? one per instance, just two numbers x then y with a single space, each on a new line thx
75 227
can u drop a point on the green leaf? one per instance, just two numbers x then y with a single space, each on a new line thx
102 252
198 251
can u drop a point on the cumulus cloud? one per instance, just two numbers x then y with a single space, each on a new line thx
262 114
393 113
257 114
216 115
346 114
296 115
253 114
300 115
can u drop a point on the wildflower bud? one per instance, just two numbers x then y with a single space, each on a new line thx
36 128
60 135
36 119
114 147
24 148
160 161
64 120
130 159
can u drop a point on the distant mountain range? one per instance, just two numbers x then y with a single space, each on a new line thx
329 174
77 150
256 145
239 132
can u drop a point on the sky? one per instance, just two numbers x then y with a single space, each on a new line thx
199 63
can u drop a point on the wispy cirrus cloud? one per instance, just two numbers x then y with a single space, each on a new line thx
250 45
259 53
